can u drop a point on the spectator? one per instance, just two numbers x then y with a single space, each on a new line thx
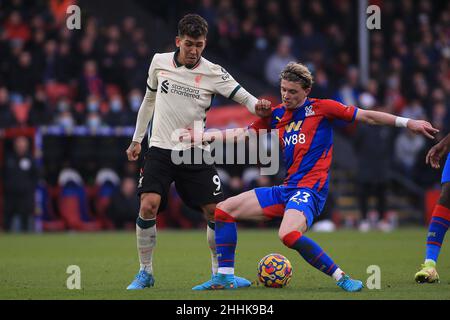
349 92
117 114
134 100
373 169
16 29
278 61
6 118
322 86
124 205
90 82
414 110
23 77
20 180
407 147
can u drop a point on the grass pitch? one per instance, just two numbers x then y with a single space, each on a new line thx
34 266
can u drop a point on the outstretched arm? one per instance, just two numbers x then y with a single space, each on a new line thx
383 118
198 137
437 152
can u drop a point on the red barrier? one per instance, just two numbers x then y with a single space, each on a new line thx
229 116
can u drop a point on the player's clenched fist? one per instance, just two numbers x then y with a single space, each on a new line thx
262 108
133 151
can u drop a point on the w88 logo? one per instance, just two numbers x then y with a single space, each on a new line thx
294 139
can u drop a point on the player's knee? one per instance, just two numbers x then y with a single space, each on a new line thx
149 208
289 237
208 212
444 199
225 211
209 216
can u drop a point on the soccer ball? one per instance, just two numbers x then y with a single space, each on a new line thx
274 271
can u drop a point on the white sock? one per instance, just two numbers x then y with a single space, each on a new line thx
146 241
338 274
226 270
210 235
430 260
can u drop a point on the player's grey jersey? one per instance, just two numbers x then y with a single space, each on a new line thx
177 96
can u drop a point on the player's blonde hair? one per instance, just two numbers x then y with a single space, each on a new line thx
297 72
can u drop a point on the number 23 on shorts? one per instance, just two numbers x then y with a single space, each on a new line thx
300 196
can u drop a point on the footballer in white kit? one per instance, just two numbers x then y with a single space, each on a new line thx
180 88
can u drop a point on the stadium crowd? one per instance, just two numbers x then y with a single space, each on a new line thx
93 77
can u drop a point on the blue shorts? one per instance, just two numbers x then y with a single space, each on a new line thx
276 200
446 172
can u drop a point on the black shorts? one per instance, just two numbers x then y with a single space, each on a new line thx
197 184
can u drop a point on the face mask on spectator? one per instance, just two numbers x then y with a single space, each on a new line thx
63 106
135 103
93 106
66 122
116 105
93 122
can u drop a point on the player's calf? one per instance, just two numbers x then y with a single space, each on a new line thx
315 256
444 199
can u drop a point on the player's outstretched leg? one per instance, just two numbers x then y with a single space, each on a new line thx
146 240
439 224
294 220
315 256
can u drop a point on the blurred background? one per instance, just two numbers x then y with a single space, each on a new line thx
69 100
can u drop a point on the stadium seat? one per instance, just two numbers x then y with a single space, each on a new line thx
112 89
69 207
56 90
46 211
21 112
73 203
107 182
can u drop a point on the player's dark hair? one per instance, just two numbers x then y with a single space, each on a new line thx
297 72
192 25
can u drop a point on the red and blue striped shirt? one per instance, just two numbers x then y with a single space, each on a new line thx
306 137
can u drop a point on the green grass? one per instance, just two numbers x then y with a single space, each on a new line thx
34 266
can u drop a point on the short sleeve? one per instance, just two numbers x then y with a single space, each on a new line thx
152 80
332 110
224 84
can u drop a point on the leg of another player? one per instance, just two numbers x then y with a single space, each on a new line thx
146 240
208 211
440 221
291 233
211 237
241 207
244 206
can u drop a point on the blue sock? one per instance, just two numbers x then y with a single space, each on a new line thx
311 252
436 233
226 239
